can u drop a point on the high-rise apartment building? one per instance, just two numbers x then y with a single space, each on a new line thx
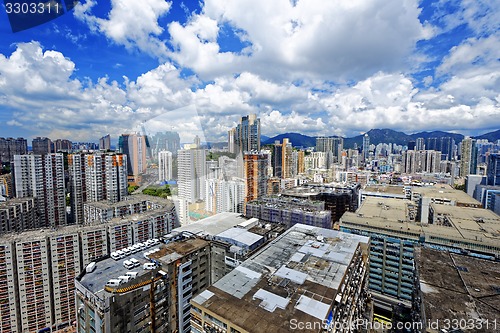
42 177
150 300
468 157
255 176
164 165
8 297
224 195
231 141
366 147
134 147
192 174
105 143
10 147
301 166
493 173
416 161
41 146
420 144
17 215
96 177
333 145
247 134
62 145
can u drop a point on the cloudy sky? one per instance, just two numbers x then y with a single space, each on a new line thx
311 66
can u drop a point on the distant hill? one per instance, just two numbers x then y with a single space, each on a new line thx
491 136
377 136
297 139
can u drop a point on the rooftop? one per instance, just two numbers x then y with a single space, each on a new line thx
178 249
128 200
458 287
109 268
387 189
389 216
444 191
296 276
240 235
213 225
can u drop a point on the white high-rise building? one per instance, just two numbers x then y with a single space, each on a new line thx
96 177
164 165
192 174
224 195
42 177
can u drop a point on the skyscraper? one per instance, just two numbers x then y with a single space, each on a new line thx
468 157
366 147
42 177
96 177
231 143
248 134
164 165
255 176
192 174
105 143
333 145
493 173
134 147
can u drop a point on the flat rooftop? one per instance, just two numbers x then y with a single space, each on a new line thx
458 287
128 200
446 192
386 189
296 276
178 249
109 268
240 235
213 225
389 216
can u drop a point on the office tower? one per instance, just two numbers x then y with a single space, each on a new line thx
118 299
420 144
10 147
105 143
277 159
282 159
164 165
41 146
231 141
493 173
468 157
280 286
366 147
134 147
248 134
17 215
192 174
224 195
255 176
446 148
96 177
42 177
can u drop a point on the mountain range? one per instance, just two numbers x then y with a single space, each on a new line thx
377 136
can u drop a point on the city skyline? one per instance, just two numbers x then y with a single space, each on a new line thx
410 66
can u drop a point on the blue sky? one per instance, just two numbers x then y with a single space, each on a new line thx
314 67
